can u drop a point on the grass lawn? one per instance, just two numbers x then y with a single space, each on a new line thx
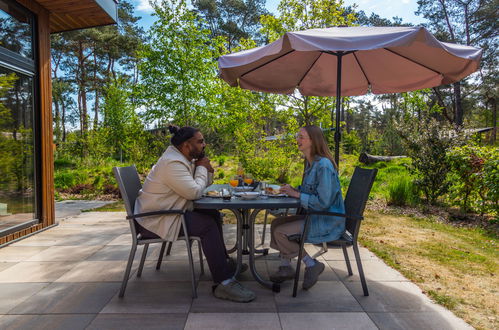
456 267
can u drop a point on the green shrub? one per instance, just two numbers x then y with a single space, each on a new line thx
474 178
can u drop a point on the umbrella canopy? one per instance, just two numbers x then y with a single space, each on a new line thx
348 61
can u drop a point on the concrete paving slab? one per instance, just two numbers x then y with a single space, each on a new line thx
324 296
121 252
16 253
171 271
16 293
152 298
65 253
124 239
96 271
5 265
417 321
374 270
138 321
236 321
390 297
43 322
35 271
68 298
336 253
326 321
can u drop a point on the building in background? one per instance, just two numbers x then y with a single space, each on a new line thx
26 148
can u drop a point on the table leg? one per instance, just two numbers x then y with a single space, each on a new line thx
239 240
251 240
234 248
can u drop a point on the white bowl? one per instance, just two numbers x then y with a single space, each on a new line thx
249 195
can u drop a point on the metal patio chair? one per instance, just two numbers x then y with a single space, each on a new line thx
129 185
355 203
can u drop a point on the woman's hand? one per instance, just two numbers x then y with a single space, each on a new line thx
290 191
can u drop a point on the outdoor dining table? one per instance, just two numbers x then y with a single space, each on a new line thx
246 212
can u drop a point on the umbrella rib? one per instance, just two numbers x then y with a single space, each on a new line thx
411 60
310 68
362 69
263 64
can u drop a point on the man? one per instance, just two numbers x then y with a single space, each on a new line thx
178 178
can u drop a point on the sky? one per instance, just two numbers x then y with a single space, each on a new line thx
384 8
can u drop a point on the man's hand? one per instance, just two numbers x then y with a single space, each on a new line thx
290 191
205 162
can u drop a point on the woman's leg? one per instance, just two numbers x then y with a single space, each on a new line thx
280 229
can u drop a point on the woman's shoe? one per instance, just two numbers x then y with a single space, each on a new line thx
312 274
284 273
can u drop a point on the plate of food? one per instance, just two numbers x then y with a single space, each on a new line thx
273 192
213 193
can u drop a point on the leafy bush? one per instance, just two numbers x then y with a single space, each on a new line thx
474 177
427 145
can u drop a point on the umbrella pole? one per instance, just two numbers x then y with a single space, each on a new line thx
337 131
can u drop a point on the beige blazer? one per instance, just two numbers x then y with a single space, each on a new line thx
173 183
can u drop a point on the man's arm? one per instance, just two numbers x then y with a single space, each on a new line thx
179 178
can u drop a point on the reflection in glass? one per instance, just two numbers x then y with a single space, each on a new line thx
17 163
15 29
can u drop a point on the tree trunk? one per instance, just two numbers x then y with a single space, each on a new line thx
63 122
493 135
458 107
57 120
371 159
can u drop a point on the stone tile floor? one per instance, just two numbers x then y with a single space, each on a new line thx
68 277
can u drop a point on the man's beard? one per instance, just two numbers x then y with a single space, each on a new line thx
196 155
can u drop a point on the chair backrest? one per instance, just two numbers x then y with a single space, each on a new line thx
357 196
129 184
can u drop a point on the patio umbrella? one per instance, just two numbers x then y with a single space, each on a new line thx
348 61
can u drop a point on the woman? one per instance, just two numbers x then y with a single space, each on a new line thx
320 190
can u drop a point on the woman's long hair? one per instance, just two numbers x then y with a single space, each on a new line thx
319 144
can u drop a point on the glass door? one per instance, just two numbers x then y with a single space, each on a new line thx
18 134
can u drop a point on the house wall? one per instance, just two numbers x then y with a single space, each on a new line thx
47 215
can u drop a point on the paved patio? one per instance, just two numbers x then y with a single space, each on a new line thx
68 277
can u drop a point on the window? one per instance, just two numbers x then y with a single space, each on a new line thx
18 134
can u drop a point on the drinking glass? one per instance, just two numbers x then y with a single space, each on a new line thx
248 179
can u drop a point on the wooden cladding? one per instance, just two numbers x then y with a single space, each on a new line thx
20 233
68 15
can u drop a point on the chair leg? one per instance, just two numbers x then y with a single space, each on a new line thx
347 259
191 266
298 266
142 260
169 248
361 270
201 263
127 270
264 226
161 253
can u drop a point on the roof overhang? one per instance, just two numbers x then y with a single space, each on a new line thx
66 15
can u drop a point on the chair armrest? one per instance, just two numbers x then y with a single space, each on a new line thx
148 214
327 213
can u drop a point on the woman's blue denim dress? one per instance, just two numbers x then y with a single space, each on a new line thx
321 191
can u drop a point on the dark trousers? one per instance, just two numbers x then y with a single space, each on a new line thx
207 225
